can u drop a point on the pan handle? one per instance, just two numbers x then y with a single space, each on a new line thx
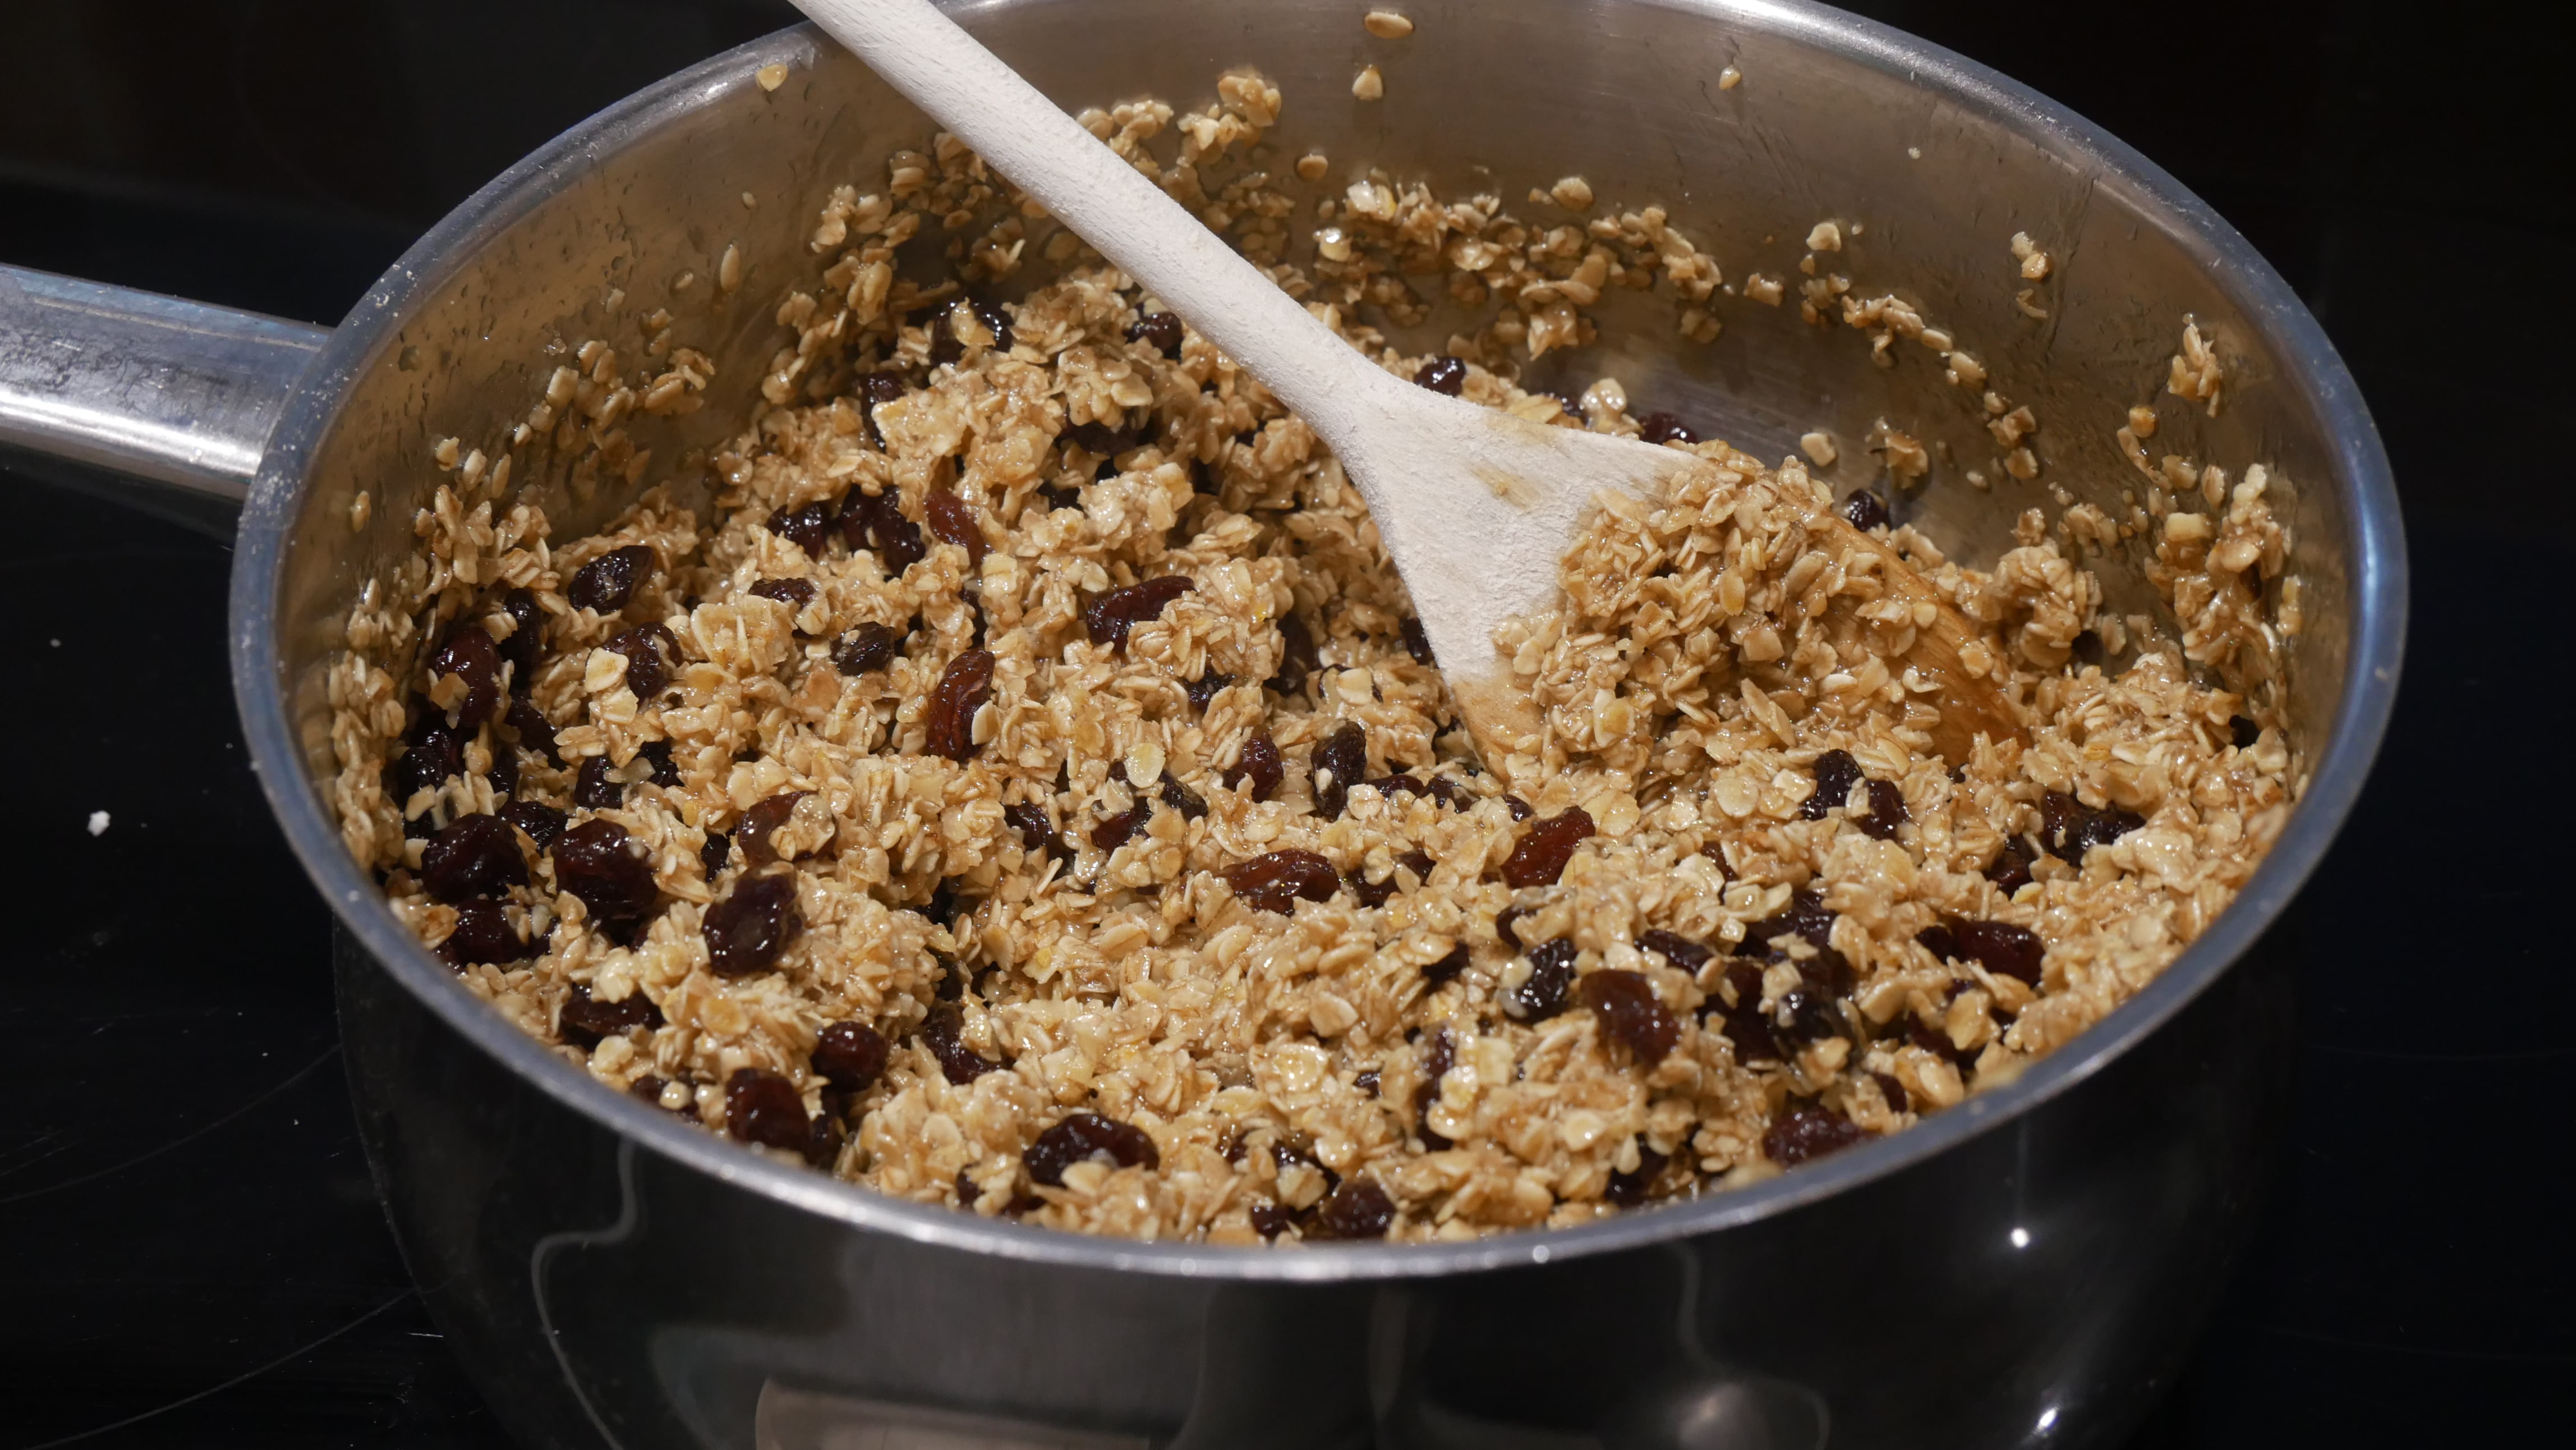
159 402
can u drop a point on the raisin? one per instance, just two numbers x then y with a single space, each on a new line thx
1297 657
584 1019
1503 920
1418 863
476 855
2068 828
1716 855
1665 428
764 1107
1258 766
947 347
2011 869
1417 643
866 648
1865 510
1892 1090
1108 618
953 520
850 1056
2001 948
1836 773
1121 828
2243 733
824 1137
962 690
1083 1136
1391 786
794 593
484 934
1367 1082
1339 763
470 655
1937 1042
1886 811
1160 331
1940 941
533 731
1625 1005
1355 1209
876 522
609 871
1099 438
1627 1190
593 789
657 755
942 1032
648 1088
1183 799
542 822
605 584
1805 916
1448 967
1521 810
1743 1023
1549 989
1275 881
423 766
1029 818
1681 951
1270 1220
1807 1014
1806 1132
713 855
875 391
1204 688
764 818
1366 892
525 649
807 526
650 652
753 923
1539 857
1444 375
1572 404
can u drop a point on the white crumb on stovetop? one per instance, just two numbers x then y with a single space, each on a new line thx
98 823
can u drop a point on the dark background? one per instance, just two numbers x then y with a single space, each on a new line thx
190 1251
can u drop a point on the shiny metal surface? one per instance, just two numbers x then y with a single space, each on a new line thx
161 391
2019 1269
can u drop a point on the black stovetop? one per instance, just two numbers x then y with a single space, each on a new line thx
190 1249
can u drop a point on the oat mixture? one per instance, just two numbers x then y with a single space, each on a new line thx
1023 786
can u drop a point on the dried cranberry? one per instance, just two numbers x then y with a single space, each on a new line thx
1627 1190
943 1032
542 822
953 520
807 526
609 871
753 923
1448 967
1297 657
1121 828
876 522
607 582
1681 951
1521 810
865 648
593 789
1892 1090
1886 811
1179 797
1083 1136
1355 1209
1539 857
650 653
1806 1132
484 934
1503 920
1204 688
1417 643
2011 869
1339 763
525 649
584 1019
794 593
1629 1012
850 1056
470 655
1108 618
476 855
1549 989
1444 375
1866 510
1160 331
764 1107
1278 880
2001 948
1665 428
2243 733
761 820
962 690
1259 766
1836 773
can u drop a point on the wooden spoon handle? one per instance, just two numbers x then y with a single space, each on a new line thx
1970 704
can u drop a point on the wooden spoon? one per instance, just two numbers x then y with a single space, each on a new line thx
1476 507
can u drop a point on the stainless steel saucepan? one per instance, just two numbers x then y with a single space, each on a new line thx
2024 1268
